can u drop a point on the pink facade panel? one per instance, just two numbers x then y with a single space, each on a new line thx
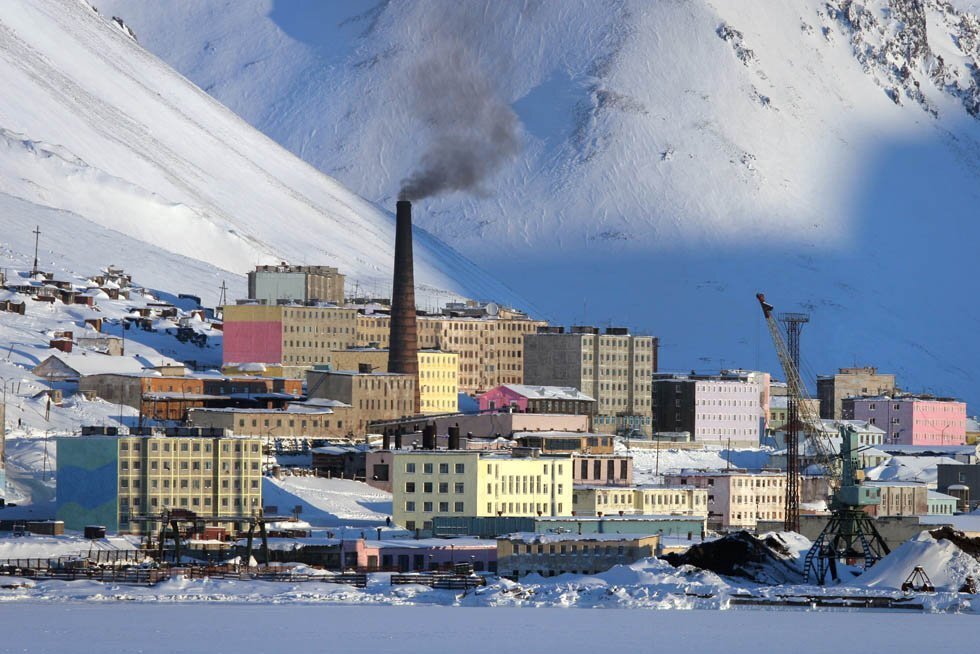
252 342
500 398
915 421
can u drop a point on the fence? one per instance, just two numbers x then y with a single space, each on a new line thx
441 581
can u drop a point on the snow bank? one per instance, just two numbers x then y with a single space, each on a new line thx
946 564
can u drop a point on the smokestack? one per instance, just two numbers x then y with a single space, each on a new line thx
403 355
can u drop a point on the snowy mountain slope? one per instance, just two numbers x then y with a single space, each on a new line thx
94 126
699 151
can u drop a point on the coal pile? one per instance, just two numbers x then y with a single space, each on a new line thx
969 545
763 561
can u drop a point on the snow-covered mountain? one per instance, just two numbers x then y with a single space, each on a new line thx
121 160
676 156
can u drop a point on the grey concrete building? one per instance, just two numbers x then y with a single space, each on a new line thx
960 481
614 367
850 382
270 284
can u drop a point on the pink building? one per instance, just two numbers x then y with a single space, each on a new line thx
528 398
912 420
412 555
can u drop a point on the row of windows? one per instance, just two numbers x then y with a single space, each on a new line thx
205 466
574 548
427 507
410 487
157 446
427 468
185 484
125 503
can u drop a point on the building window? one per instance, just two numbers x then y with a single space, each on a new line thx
409 468
460 467
427 507
410 507
458 488
427 487
410 487
427 468
443 486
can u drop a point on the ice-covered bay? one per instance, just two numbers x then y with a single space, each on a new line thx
308 628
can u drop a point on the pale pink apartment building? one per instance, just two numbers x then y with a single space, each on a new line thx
912 420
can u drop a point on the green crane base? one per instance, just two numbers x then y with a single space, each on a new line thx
850 534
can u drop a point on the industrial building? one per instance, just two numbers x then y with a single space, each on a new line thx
272 284
614 367
548 555
642 500
316 419
526 398
436 483
124 482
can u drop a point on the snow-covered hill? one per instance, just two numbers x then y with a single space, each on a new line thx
122 160
676 157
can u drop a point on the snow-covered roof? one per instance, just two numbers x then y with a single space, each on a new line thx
532 392
936 495
85 364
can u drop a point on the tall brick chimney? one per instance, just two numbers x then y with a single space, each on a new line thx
403 351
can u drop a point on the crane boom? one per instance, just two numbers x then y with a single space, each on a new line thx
809 420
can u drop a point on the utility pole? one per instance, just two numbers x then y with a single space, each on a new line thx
37 235
223 298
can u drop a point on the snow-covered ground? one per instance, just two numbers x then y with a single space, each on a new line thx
37 627
328 502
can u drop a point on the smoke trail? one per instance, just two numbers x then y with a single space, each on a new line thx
473 131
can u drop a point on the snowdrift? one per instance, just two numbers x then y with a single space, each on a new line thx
947 565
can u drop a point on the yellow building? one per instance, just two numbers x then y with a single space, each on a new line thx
438 374
640 500
433 483
490 349
110 481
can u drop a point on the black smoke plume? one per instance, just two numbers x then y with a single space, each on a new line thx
473 131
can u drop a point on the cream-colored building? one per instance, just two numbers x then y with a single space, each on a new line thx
614 367
490 349
112 480
372 396
435 483
736 499
320 419
640 500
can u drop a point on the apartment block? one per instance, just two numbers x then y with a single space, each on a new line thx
111 481
613 367
911 419
851 382
272 284
527 398
736 499
437 483
719 409
490 348
372 396
292 334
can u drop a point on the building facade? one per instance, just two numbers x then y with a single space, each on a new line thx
737 500
912 420
526 398
899 498
717 409
490 348
602 469
643 500
294 335
314 420
371 396
270 284
850 382
111 481
431 483
613 367
549 555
